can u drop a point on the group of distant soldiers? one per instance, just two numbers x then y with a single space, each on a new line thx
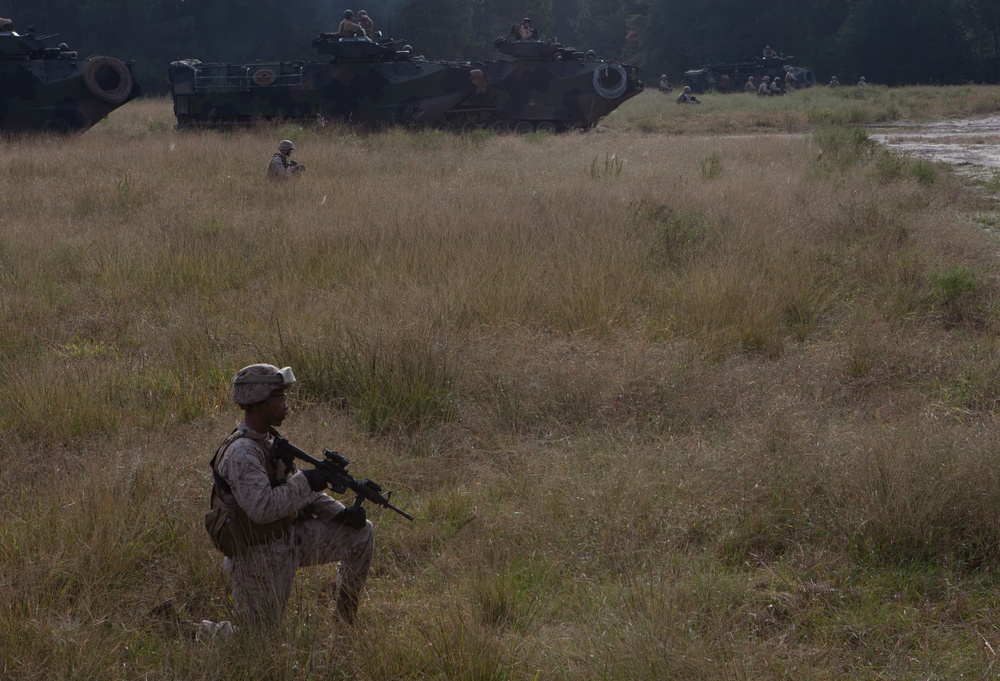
364 27
765 87
772 87
836 83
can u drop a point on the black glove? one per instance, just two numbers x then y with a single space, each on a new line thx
316 478
352 516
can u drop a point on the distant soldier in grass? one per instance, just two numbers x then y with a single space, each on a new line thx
282 167
750 87
685 97
284 521
765 87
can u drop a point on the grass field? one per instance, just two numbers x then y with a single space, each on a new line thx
706 393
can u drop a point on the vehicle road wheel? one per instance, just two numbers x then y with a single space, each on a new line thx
501 127
546 126
523 127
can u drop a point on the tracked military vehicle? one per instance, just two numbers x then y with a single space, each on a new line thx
373 84
732 76
545 87
369 83
51 89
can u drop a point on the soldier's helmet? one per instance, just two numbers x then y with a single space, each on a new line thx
687 88
526 20
362 13
348 14
286 145
766 78
255 383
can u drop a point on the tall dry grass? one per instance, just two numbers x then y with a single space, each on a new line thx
664 406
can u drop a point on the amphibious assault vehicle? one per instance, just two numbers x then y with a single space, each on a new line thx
732 76
543 86
365 82
51 89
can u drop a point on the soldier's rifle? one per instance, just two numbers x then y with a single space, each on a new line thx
334 467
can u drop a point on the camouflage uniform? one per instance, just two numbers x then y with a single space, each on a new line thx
791 81
365 22
685 97
262 576
348 29
281 166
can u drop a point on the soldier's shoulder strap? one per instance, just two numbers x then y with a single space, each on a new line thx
235 435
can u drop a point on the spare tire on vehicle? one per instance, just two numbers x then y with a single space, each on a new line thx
108 78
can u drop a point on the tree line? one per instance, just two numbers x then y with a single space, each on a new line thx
894 42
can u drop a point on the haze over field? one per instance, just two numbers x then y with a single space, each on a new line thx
706 393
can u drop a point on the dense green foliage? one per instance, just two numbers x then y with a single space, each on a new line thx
890 41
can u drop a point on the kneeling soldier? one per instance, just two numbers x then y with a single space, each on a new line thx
275 519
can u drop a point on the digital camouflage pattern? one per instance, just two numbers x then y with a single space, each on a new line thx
262 577
732 76
51 89
542 86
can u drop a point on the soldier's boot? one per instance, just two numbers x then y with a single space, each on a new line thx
347 605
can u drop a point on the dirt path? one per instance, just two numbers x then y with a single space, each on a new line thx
971 145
